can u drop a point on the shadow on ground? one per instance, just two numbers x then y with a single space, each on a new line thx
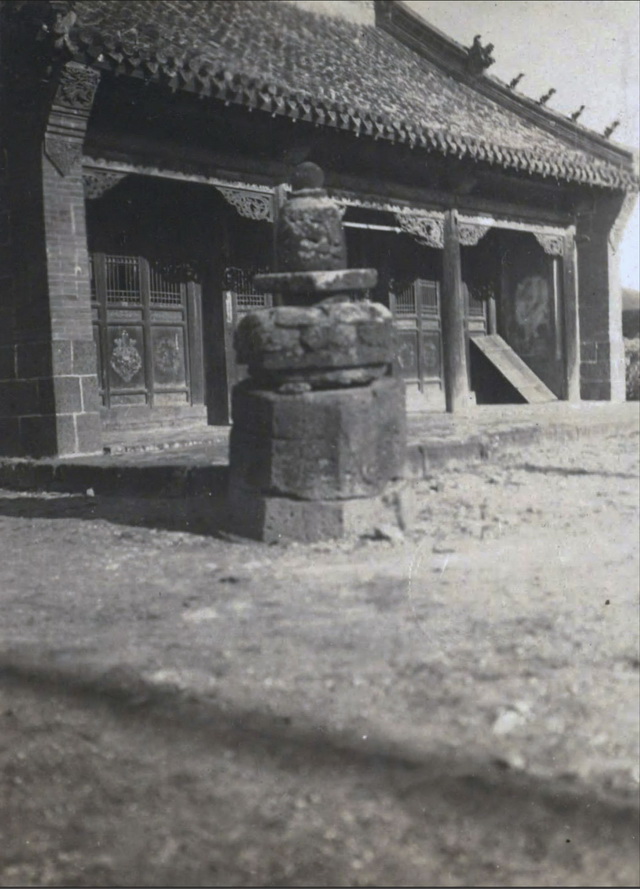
498 824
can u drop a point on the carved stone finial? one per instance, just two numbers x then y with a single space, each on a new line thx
309 233
544 99
576 114
307 176
479 57
516 80
611 128
64 19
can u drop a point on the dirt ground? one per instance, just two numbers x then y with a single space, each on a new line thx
456 708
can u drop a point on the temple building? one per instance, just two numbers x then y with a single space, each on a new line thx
145 150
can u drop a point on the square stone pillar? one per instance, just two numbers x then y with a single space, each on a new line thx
602 372
49 402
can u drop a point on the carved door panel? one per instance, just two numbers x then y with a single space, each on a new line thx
416 311
147 328
530 303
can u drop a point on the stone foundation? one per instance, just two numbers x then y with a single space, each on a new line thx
274 519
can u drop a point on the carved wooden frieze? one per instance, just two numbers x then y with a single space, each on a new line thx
426 228
99 182
250 204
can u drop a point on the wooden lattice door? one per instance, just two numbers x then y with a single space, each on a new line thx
146 322
416 311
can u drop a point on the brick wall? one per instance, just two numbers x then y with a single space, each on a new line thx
49 401
600 305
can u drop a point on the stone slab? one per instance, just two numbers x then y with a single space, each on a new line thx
332 281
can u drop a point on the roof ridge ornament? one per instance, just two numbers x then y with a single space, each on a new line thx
576 114
611 128
479 57
544 99
516 80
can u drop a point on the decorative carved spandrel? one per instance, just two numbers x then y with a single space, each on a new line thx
550 243
426 229
470 233
99 182
250 204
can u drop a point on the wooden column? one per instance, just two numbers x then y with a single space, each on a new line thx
277 201
570 320
492 316
456 378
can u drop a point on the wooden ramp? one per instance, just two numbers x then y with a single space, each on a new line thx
513 369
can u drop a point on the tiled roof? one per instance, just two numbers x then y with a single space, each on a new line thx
271 55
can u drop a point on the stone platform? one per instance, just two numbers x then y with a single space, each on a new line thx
194 461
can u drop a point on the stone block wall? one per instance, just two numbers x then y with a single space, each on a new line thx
602 376
49 401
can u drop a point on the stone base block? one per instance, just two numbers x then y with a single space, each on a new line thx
337 444
273 519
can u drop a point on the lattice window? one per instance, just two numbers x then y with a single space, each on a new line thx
406 301
247 302
428 291
240 282
163 292
123 280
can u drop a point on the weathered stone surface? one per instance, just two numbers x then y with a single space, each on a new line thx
309 233
319 428
332 444
273 519
317 282
289 343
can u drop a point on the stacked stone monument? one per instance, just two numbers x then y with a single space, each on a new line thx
318 440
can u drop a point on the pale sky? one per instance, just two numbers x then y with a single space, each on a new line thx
587 49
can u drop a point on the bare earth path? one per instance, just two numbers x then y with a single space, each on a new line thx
458 708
